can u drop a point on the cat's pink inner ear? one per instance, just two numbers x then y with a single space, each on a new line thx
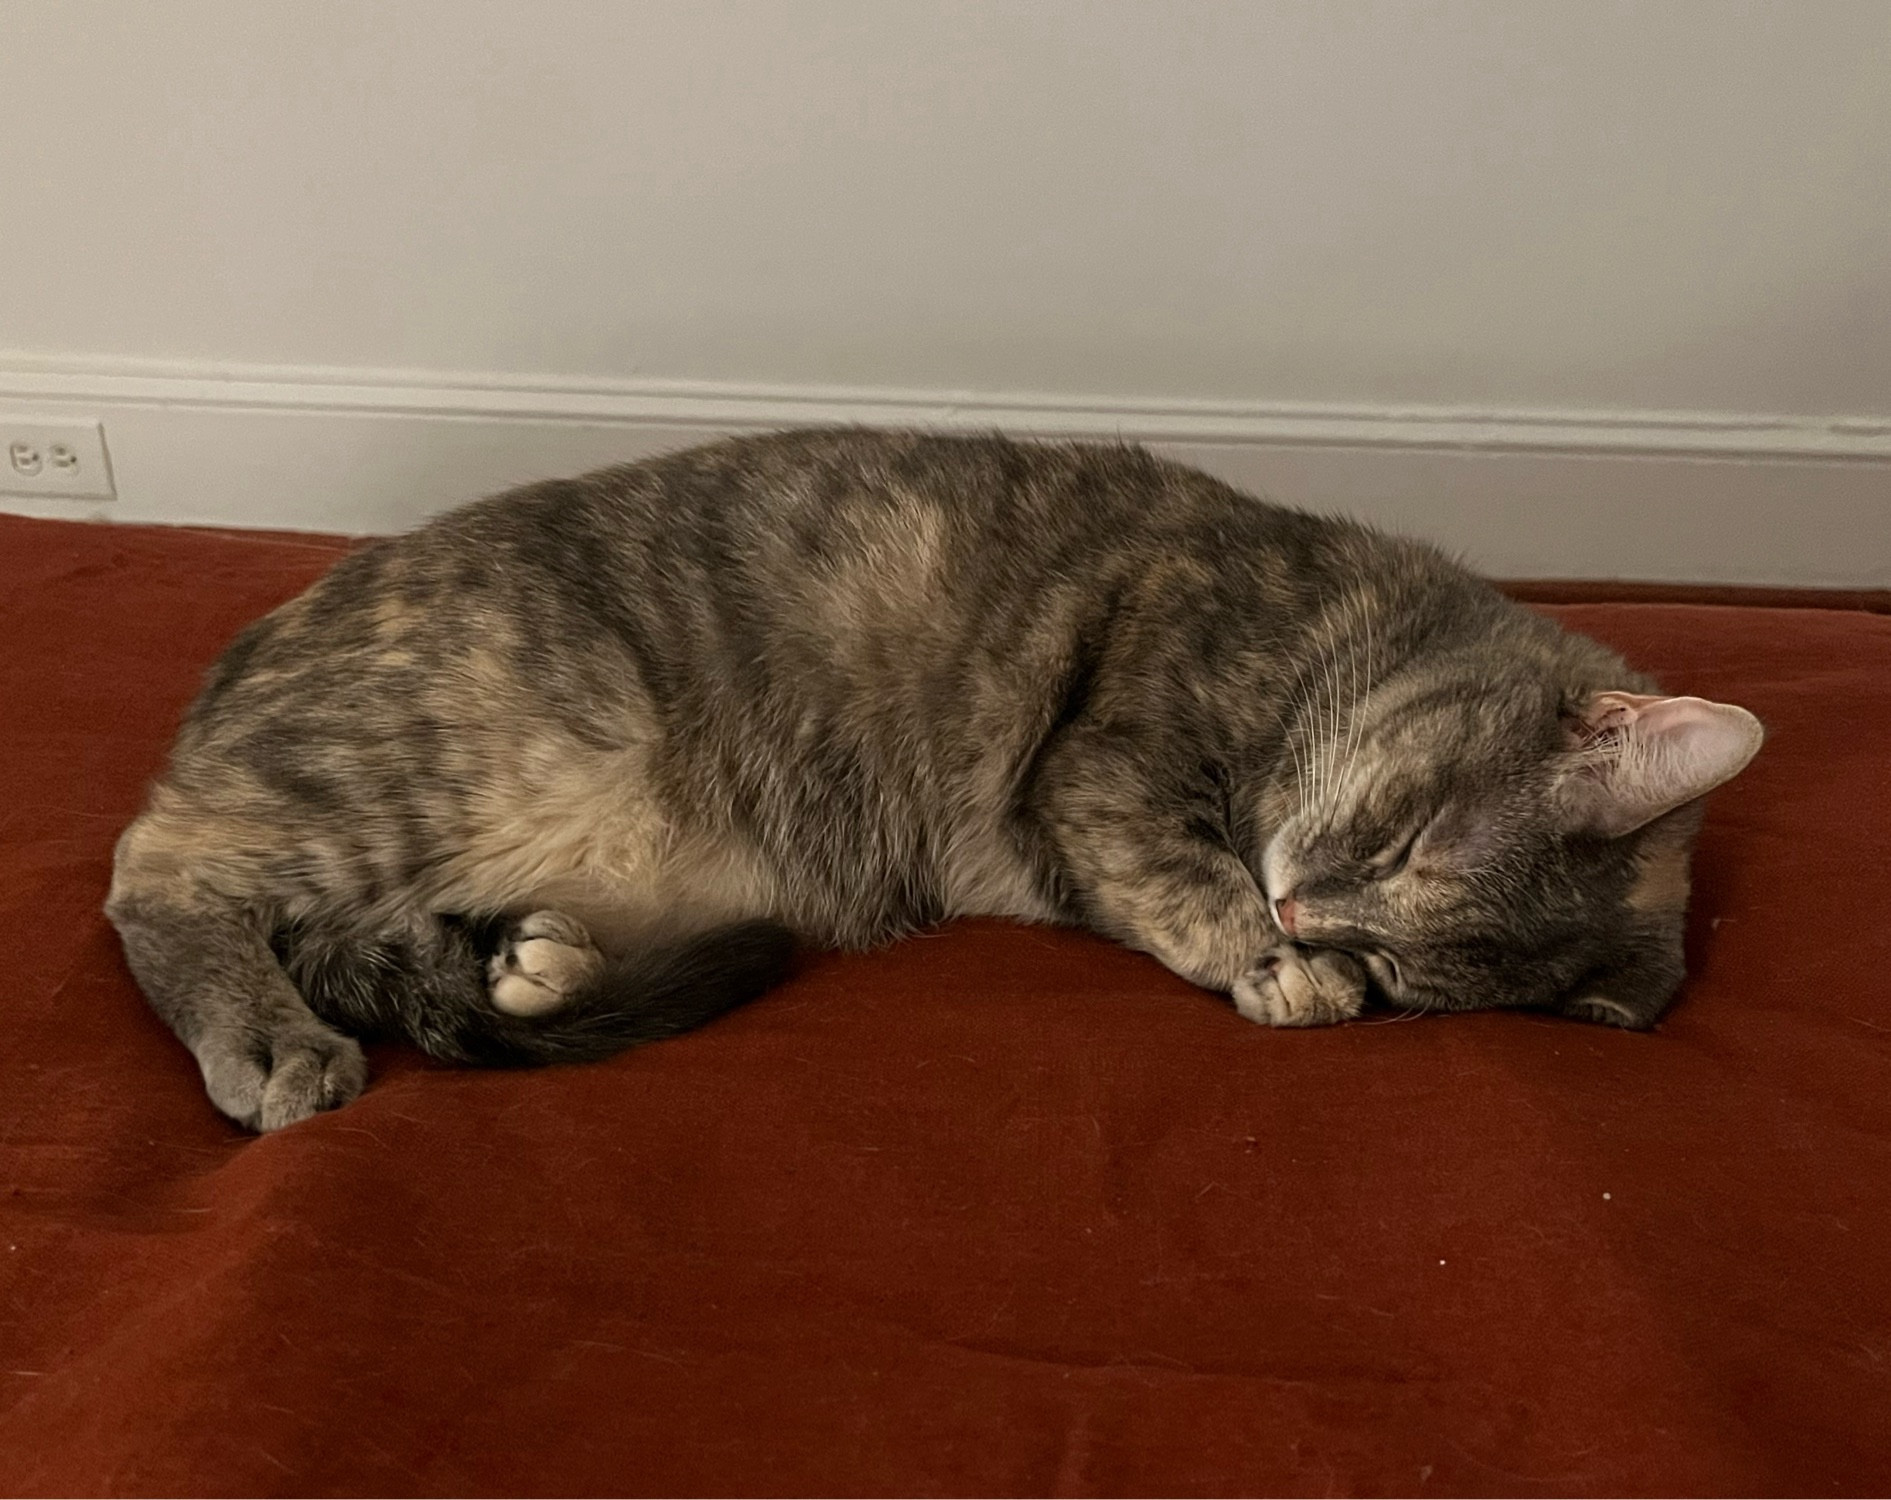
1641 756
1609 711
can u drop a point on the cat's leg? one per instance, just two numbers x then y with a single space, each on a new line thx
1139 836
542 961
1294 985
211 976
203 958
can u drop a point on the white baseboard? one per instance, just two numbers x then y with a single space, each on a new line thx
1681 496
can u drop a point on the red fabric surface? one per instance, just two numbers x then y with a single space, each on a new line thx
997 1210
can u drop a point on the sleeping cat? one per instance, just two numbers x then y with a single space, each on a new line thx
564 770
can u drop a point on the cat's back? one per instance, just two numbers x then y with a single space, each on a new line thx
836 561
843 526
812 496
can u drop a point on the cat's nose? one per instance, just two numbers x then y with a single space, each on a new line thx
1287 913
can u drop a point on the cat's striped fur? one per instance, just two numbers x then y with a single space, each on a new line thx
562 770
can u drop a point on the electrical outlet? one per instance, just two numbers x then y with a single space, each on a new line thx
63 459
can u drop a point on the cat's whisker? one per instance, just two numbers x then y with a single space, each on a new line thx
1320 748
1343 715
1329 781
1352 709
1312 712
1368 697
1353 670
1299 742
1299 765
1356 730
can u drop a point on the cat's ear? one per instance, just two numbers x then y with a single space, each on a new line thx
1633 757
1635 988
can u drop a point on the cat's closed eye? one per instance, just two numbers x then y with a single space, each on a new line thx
1397 854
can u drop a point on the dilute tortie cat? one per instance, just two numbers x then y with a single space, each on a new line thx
574 767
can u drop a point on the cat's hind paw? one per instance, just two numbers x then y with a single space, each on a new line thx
1295 986
269 1080
543 960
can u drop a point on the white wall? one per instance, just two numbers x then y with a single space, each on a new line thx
1651 228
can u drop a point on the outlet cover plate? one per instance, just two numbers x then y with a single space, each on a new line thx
63 459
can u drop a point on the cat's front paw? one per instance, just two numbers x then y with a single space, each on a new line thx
1295 986
543 960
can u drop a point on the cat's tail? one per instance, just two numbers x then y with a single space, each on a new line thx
649 995
440 1001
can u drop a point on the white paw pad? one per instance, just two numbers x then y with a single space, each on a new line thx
1302 987
544 959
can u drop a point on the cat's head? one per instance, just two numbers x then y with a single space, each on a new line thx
1483 841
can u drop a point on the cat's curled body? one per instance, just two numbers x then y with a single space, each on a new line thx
563 769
